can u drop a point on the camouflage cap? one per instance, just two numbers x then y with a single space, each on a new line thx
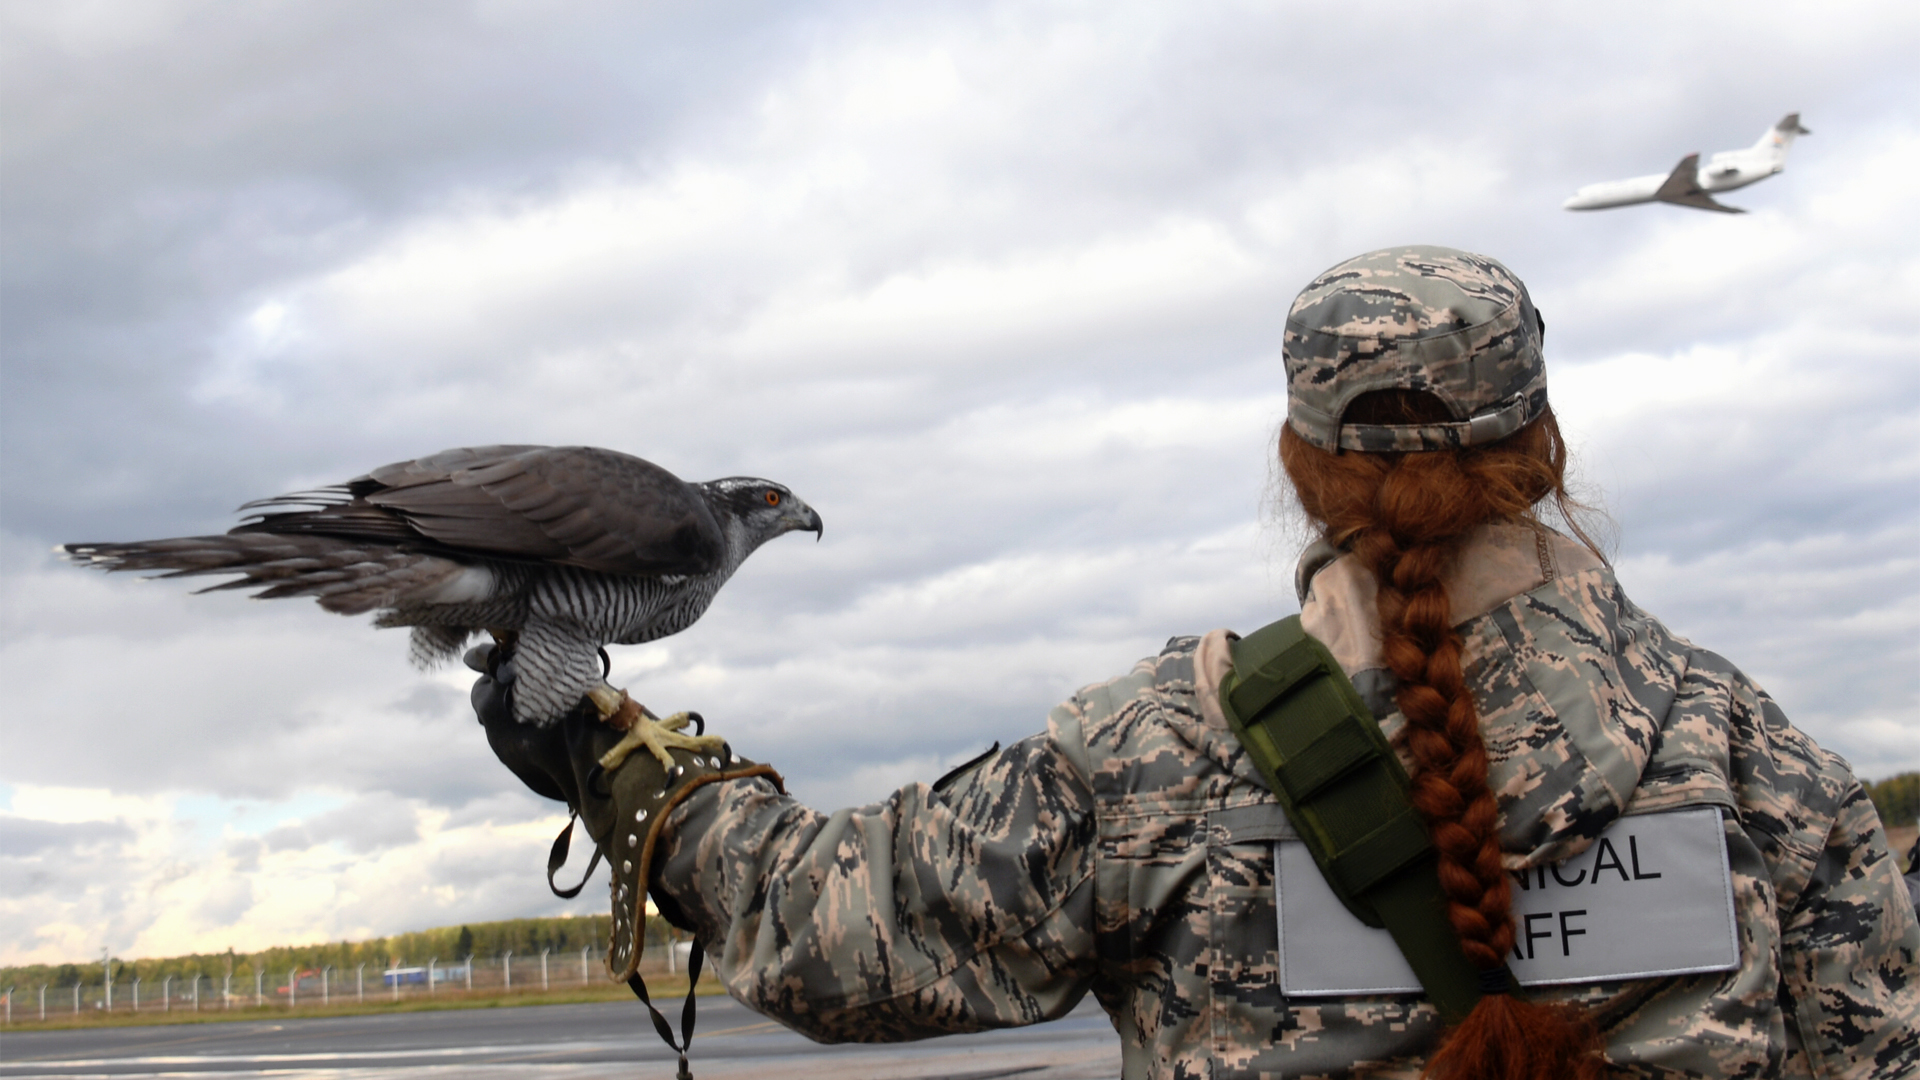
1456 325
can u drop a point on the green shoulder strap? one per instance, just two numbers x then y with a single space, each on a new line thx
1324 756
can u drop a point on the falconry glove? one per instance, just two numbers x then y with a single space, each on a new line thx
620 789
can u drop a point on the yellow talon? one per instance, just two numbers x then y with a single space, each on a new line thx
643 729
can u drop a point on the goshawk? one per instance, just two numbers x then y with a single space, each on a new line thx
560 550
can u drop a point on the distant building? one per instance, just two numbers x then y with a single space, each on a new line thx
418 975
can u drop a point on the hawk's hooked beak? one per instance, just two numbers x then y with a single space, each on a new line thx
803 518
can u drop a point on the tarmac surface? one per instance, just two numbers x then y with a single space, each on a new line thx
554 1042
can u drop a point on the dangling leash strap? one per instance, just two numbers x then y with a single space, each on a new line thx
678 1046
557 858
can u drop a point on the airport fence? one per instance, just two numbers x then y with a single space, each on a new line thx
508 973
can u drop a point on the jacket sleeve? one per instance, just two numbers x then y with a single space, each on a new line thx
1850 952
930 912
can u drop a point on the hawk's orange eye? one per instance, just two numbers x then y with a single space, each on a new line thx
773 498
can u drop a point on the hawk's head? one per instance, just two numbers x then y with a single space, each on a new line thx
753 511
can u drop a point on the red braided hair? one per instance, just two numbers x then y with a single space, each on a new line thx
1405 516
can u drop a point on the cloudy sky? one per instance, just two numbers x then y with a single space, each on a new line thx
997 287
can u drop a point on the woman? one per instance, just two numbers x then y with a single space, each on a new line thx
1130 849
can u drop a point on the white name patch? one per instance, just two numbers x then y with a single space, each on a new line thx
1652 896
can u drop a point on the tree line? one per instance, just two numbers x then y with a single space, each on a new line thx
448 944
1897 798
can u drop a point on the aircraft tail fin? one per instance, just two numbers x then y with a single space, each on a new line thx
1778 139
1682 188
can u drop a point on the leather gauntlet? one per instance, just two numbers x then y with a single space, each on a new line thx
635 797
622 801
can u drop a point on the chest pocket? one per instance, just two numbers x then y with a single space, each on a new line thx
1245 938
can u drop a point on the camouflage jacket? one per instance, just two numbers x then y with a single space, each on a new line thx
1128 851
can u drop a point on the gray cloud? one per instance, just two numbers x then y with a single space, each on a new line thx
20 837
226 903
245 853
368 824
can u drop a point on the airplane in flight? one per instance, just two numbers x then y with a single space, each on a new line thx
1690 183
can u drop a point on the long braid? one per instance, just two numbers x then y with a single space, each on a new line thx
1405 517
1450 790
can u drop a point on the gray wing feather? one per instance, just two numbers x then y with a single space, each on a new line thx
569 505
574 505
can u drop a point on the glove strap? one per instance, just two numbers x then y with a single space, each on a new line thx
557 858
629 882
680 1045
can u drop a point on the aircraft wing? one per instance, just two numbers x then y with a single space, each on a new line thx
1682 188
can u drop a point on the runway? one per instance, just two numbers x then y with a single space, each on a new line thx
554 1042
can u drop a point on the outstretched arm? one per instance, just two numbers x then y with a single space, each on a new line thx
927 913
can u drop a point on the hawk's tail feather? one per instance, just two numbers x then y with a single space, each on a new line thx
342 576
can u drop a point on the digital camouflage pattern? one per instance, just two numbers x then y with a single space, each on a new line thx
1128 851
1456 325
